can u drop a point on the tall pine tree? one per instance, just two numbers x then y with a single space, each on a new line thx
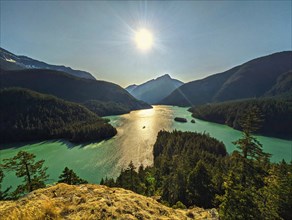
247 175
33 173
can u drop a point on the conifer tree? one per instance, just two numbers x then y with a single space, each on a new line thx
253 160
275 201
200 186
247 175
237 202
102 182
248 145
70 177
150 183
109 182
129 179
133 175
33 173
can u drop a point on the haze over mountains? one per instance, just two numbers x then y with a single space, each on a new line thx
154 90
10 61
265 76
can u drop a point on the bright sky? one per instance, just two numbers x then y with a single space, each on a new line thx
189 39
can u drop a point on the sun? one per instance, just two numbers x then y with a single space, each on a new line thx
144 39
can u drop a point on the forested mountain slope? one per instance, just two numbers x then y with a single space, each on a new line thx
276 114
30 116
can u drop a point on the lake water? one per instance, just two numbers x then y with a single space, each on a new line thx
137 132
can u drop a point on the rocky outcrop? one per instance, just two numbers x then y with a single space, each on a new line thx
89 201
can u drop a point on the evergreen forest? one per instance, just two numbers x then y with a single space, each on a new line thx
30 116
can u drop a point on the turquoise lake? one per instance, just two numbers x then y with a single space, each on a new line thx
137 132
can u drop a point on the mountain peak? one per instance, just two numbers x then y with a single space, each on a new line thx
165 76
154 90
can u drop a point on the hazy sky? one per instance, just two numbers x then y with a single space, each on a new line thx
192 39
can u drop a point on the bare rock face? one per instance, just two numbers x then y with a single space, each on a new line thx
90 201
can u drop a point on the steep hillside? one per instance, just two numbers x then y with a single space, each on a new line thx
29 116
70 88
256 78
89 201
154 90
10 61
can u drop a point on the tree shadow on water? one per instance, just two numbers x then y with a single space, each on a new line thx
69 144
61 142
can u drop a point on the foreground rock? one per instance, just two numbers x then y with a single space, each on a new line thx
88 201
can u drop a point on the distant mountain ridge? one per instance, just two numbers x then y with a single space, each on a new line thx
154 90
10 61
130 88
265 76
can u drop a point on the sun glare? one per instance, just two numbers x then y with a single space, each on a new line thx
144 39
